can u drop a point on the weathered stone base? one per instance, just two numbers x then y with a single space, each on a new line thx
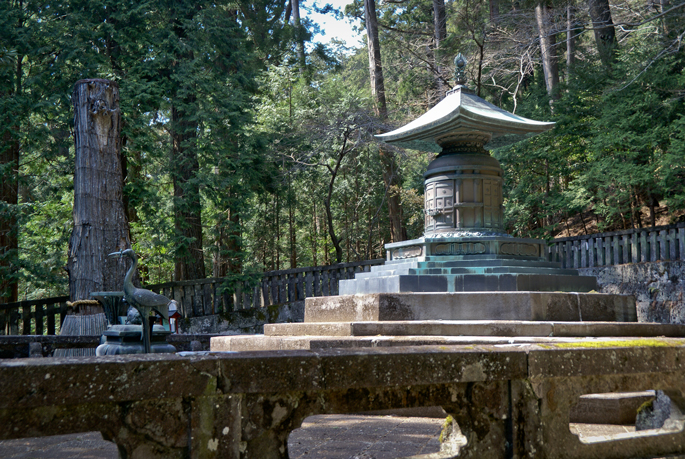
494 263
550 306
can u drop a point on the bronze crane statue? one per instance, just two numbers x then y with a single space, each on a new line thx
143 300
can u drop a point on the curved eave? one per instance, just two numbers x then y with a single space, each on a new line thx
464 113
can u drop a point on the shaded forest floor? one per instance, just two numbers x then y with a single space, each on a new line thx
588 223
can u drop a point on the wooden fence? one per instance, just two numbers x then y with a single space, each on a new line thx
198 297
211 296
33 317
659 243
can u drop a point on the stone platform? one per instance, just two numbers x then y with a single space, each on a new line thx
315 336
410 319
408 269
550 306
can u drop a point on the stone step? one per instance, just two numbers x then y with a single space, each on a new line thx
436 262
395 265
425 271
479 260
618 408
238 343
476 328
399 283
385 273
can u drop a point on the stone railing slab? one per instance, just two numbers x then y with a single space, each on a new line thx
508 400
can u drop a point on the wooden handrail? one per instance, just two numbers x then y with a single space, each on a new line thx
660 243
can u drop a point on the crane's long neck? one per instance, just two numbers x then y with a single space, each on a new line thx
128 280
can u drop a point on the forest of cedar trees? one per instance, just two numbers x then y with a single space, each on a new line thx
234 116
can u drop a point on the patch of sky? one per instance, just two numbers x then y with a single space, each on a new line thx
333 25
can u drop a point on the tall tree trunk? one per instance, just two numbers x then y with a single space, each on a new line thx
392 183
315 233
100 223
189 257
9 192
390 171
299 34
481 59
570 42
327 200
494 11
132 175
605 34
672 22
547 49
375 65
277 249
291 226
440 24
9 195
10 148
227 258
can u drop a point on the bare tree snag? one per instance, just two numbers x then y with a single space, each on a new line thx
100 223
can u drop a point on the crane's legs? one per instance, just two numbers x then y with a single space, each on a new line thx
147 332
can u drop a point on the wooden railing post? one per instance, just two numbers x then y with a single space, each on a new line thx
653 246
625 242
568 255
634 249
663 246
309 284
672 244
51 311
39 320
317 282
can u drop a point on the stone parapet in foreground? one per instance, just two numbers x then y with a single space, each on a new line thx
508 400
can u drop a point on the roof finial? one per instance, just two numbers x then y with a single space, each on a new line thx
460 72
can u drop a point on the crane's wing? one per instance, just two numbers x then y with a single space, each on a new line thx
150 299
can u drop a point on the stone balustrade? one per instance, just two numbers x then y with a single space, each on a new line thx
509 401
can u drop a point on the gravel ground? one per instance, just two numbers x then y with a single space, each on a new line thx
320 437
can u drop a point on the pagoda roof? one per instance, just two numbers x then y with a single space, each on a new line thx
461 114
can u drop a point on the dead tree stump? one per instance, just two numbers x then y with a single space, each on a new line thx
100 223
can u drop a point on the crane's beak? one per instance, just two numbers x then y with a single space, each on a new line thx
113 254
